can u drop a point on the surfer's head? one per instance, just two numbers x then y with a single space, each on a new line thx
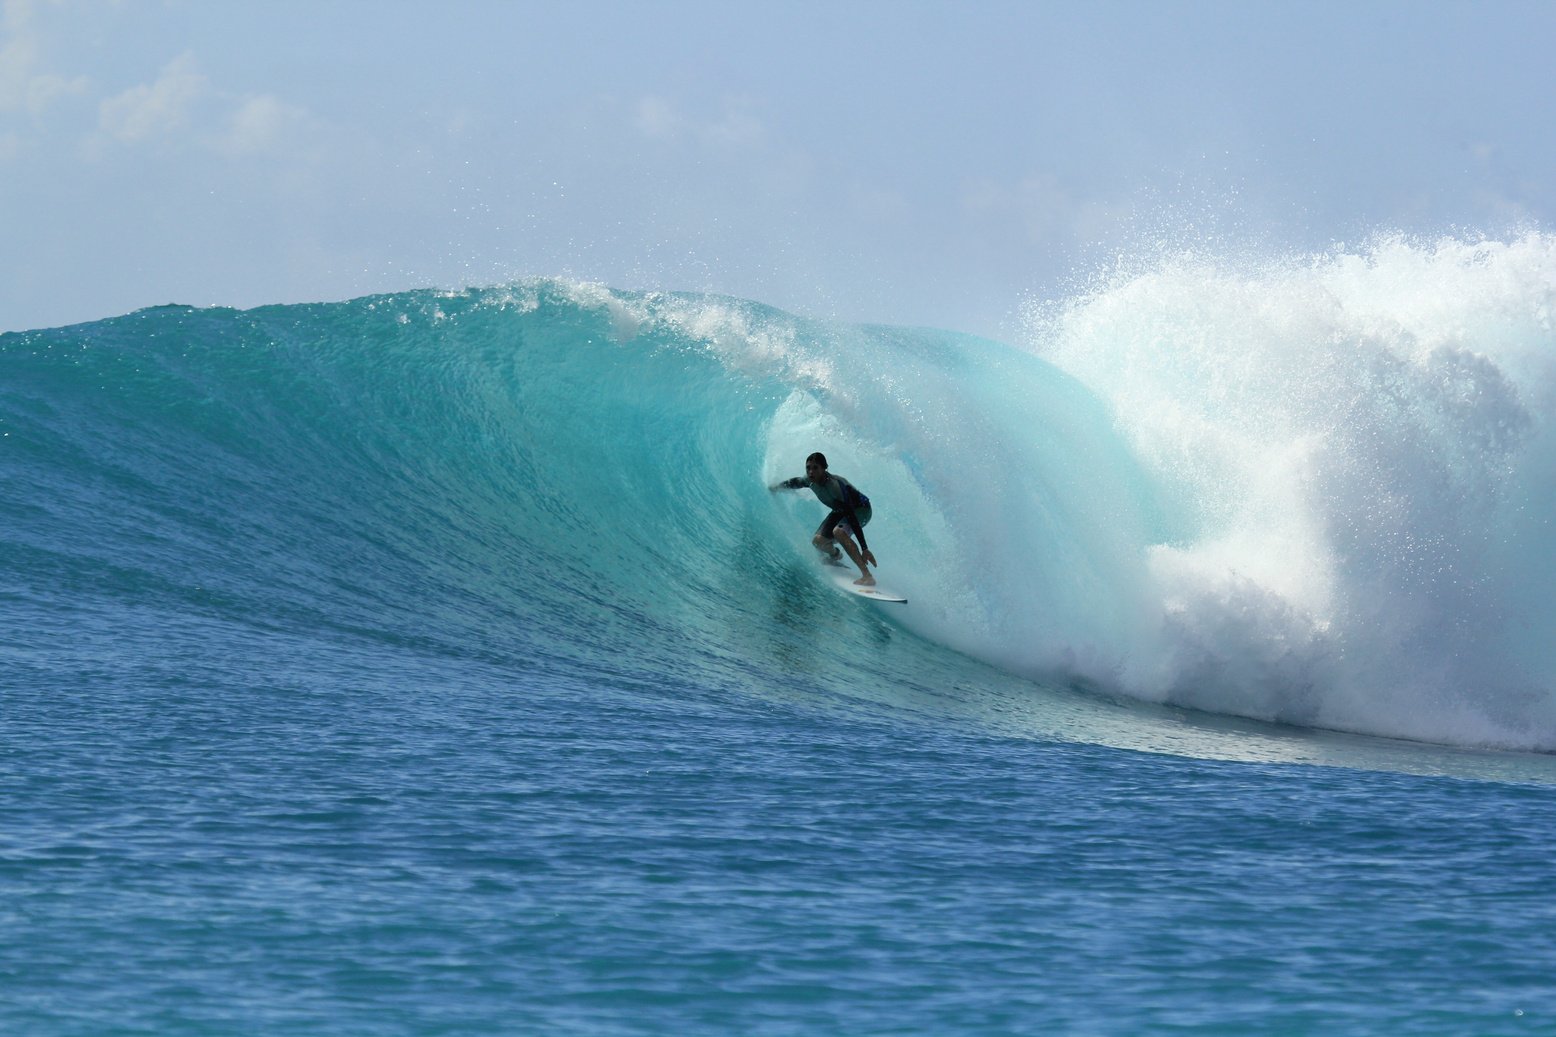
816 466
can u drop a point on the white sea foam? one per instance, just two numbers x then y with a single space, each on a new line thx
1358 449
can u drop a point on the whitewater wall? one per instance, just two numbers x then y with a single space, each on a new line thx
1358 448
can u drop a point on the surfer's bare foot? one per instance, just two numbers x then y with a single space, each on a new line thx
865 581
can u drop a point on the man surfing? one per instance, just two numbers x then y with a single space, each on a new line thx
849 515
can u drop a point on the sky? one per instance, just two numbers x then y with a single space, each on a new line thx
905 163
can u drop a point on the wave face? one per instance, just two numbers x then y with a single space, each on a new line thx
1316 494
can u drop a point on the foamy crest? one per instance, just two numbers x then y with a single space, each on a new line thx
748 340
1357 450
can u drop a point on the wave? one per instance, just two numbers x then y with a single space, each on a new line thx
1312 492
1359 448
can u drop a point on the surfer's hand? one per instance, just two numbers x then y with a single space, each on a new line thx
869 556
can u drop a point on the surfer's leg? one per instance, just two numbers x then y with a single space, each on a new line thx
823 541
845 536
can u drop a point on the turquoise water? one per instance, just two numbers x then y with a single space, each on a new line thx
438 663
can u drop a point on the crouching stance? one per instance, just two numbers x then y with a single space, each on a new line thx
849 515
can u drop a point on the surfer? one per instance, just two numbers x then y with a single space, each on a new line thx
849 515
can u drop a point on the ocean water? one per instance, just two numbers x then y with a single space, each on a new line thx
438 663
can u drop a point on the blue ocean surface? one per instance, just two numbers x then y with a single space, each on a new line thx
440 663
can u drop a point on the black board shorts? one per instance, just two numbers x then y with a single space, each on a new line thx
834 517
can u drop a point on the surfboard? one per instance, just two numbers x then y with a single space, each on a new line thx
843 577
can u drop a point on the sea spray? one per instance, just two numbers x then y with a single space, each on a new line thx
1358 446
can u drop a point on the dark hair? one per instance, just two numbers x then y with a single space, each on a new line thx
818 458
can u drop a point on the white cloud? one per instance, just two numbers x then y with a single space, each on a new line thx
24 84
182 100
156 108
261 124
735 128
656 117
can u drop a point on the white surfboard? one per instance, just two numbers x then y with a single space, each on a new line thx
844 576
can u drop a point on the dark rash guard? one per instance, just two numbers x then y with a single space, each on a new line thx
842 497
